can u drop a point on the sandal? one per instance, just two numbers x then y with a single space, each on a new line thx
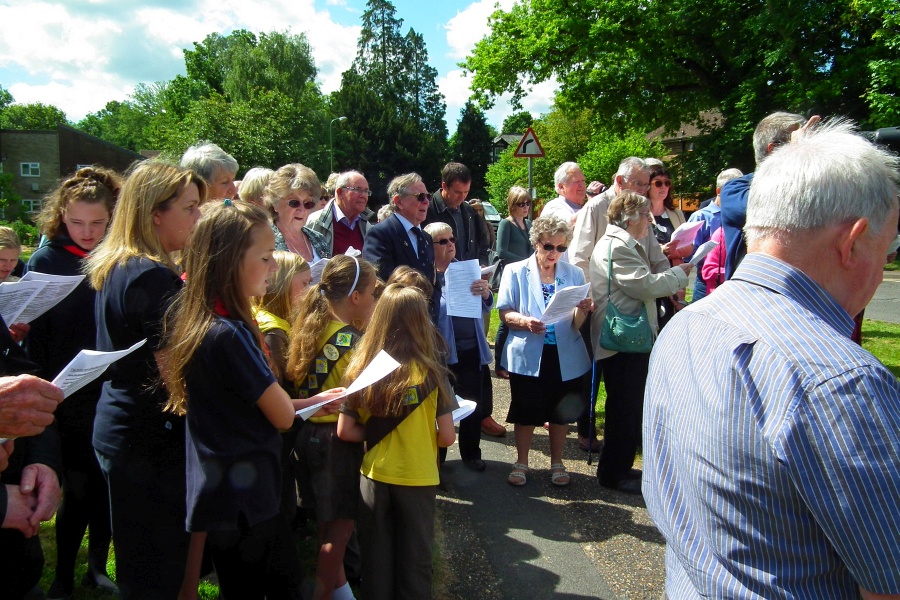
558 476
518 476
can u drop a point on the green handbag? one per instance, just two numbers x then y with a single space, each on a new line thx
623 333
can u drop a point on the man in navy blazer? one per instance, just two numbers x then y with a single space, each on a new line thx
398 240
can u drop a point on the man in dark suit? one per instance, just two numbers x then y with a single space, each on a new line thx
398 240
448 205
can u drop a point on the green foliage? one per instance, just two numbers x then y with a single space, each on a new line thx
9 199
5 98
517 122
655 66
602 160
471 145
32 116
27 232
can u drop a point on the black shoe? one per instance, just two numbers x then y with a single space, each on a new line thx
99 581
57 591
626 486
476 464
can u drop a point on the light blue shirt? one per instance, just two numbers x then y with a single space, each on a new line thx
407 226
771 461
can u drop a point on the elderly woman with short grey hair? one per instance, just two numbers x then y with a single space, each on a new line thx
629 270
215 165
291 194
539 378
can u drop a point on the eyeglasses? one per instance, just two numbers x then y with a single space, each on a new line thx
662 183
296 204
551 248
422 197
523 204
445 241
324 198
358 190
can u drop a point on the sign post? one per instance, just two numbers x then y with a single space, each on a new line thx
529 147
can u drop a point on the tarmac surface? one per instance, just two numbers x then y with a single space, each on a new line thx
501 542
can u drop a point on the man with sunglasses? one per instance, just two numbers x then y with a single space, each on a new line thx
344 221
448 205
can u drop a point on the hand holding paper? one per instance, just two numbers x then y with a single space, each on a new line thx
380 367
563 303
704 249
685 233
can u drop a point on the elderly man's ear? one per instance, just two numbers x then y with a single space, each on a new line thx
849 238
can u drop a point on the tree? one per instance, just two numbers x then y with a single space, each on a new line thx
120 123
665 65
5 98
472 145
32 116
518 122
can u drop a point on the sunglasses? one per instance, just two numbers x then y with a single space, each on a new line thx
422 197
551 248
445 241
324 198
523 204
662 183
297 204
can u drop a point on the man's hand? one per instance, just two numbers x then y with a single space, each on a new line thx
26 405
41 481
19 510
18 331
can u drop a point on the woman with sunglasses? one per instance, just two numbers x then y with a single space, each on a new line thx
291 194
539 378
666 219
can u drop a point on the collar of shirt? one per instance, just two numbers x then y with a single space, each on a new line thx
789 281
339 216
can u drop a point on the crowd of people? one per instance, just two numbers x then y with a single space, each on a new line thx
763 427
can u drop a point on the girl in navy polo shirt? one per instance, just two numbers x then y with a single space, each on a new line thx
217 373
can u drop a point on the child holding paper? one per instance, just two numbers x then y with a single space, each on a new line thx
216 372
396 418
327 327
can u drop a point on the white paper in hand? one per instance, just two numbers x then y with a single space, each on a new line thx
87 366
563 303
685 233
380 367
704 249
466 408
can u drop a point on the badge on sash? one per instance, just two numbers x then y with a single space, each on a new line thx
343 339
411 396
331 353
313 383
321 365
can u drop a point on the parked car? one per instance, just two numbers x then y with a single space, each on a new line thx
491 215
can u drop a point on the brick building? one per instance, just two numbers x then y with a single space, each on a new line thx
37 160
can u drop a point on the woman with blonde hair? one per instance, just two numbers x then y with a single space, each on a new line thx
74 219
10 249
291 194
141 449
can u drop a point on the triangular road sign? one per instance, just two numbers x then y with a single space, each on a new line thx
529 146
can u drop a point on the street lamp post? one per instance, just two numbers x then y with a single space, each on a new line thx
331 139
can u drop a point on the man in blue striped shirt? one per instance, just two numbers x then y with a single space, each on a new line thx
772 464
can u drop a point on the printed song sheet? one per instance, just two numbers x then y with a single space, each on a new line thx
380 367
458 280
563 303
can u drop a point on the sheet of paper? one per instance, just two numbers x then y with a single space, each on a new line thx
87 366
563 303
15 298
58 287
704 249
458 280
380 367
351 251
316 269
489 270
685 233
466 408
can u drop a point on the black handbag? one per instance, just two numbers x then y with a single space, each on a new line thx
621 332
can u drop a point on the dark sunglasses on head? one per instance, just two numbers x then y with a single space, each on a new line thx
523 204
660 183
422 197
296 204
551 248
444 242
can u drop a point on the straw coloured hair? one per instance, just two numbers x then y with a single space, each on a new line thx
217 246
93 185
625 208
9 239
288 179
278 294
408 277
401 326
545 227
254 184
516 195
315 310
151 186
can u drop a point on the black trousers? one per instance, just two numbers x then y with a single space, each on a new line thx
21 565
625 375
469 386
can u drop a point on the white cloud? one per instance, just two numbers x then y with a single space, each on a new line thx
470 25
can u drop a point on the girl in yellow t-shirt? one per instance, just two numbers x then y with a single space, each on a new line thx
328 324
396 418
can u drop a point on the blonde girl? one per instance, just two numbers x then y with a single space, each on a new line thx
10 249
396 418
327 328
216 372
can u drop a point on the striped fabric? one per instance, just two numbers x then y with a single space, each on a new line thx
772 445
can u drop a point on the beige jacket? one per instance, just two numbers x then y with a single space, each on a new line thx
637 280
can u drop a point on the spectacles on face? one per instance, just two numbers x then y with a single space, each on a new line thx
662 183
421 197
359 190
445 241
551 248
523 204
297 204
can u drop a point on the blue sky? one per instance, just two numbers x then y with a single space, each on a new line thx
80 54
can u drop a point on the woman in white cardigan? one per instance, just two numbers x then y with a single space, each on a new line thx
539 377
635 282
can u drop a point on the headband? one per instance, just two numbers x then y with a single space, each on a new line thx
355 279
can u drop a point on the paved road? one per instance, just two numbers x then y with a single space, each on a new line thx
885 306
